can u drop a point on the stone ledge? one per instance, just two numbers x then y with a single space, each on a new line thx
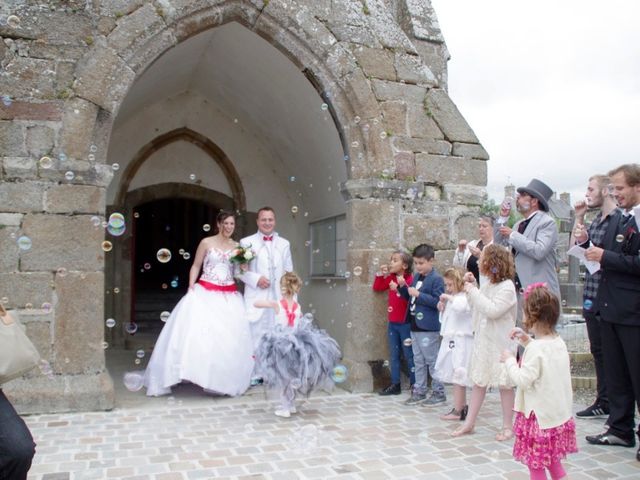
62 393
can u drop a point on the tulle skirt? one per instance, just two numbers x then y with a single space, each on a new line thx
206 341
453 360
539 448
297 360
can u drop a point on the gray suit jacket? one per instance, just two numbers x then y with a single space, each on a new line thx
535 251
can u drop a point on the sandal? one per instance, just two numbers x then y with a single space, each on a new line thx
458 432
452 415
504 434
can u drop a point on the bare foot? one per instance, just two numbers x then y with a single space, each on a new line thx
504 434
463 430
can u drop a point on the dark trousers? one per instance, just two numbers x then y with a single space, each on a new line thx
399 336
16 444
593 322
621 351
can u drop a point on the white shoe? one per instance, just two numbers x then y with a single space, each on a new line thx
282 413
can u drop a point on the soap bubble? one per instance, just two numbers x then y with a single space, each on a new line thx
206 227
69 175
6 100
174 284
131 328
107 246
140 353
93 149
588 304
24 243
163 255
13 21
419 315
324 106
294 209
192 177
110 322
62 272
115 167
619 238
133 381
62 157
339 374
45 162
116 225
186 255
357 271
95 221
164 316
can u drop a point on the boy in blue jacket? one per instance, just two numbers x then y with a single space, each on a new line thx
423 296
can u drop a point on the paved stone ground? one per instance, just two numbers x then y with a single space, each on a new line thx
349 436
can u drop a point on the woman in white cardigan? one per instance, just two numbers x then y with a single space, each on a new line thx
544 427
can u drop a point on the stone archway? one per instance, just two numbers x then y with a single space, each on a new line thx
413 164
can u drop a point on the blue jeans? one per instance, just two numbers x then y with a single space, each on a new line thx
425 347
16 444
398 333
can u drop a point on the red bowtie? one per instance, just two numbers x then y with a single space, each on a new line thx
267 239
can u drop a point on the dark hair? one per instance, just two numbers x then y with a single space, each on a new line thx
541 307
266 209
423 251
223 215
496 262
404 258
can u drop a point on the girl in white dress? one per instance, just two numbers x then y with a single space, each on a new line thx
206 340
294 358
494 315
457 341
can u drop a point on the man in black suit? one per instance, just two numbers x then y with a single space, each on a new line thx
618 301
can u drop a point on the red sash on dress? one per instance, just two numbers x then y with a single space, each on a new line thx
291 314
218 288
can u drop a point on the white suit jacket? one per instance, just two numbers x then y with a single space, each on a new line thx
272 260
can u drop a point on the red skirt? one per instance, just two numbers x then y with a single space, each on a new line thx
539 448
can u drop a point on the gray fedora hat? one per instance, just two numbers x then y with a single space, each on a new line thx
539 190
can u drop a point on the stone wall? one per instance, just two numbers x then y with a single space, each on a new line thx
416 169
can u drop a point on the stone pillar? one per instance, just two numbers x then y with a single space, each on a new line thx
52 268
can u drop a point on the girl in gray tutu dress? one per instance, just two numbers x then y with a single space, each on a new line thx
295 357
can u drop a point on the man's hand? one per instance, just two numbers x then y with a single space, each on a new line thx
263 283
505 231
594 254
414 292
580 233
580 208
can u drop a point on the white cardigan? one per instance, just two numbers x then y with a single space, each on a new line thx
543 381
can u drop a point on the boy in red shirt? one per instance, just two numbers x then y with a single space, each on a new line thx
399 332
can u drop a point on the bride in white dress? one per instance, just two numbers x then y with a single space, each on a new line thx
206 340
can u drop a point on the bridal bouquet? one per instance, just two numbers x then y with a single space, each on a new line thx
242 255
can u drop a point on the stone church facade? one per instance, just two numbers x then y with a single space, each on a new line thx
329 110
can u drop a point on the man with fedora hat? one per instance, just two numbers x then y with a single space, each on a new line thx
533 239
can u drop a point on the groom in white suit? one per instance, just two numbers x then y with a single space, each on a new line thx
262 278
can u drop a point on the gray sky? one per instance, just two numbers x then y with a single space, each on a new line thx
551 88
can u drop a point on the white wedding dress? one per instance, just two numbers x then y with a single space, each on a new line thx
206 340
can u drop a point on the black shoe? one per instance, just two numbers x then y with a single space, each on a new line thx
392 389
607 438
594 411
463 413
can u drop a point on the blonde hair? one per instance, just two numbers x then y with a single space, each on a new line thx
290 283
455 275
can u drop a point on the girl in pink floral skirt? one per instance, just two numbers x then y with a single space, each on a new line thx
544 428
